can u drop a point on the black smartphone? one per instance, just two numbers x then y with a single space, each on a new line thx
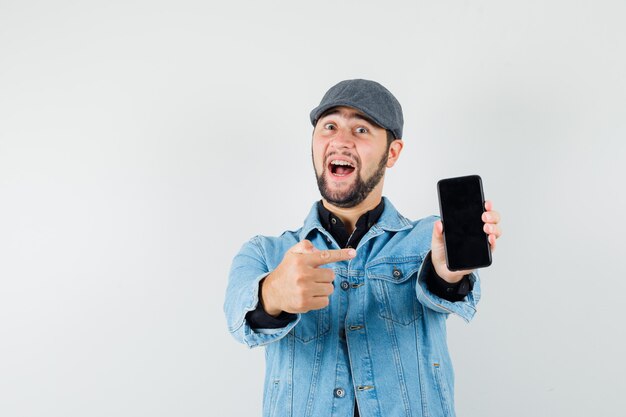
462 203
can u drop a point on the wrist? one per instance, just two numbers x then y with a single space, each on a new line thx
265 299
451 277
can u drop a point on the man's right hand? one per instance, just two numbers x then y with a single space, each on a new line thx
298 285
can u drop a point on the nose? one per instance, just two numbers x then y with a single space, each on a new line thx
342 139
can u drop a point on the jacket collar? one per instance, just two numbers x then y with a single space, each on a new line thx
390 220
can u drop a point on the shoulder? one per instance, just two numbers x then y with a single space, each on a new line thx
424 224
419 233
271 244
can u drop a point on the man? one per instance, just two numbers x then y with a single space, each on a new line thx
352 307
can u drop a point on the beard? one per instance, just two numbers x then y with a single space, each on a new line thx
357 192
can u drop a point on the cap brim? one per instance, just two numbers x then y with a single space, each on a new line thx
317 112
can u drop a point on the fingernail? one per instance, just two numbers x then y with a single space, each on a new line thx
352 252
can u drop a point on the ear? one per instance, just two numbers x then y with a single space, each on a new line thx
394 152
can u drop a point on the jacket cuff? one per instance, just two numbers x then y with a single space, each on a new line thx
242 296
254 337
465 308
444 289
260 319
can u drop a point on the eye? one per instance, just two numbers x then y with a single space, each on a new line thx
329 126
361 129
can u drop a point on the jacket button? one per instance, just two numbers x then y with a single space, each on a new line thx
340 393
345 285
397 273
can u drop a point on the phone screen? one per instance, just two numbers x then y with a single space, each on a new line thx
462 204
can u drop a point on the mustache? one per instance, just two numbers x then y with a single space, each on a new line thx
353 158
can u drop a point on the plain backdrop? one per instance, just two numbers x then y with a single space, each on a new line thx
143 142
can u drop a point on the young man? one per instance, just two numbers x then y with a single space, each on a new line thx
352 307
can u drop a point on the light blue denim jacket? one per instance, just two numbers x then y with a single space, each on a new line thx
382 339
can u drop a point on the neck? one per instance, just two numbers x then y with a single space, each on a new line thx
349 216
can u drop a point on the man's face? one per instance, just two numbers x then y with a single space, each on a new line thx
349 156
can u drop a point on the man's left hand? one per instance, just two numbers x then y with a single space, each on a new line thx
490 217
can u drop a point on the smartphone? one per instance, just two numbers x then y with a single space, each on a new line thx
462 203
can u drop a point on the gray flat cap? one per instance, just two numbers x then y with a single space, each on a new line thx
371 98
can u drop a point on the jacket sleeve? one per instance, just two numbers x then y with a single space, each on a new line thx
465 308
248 269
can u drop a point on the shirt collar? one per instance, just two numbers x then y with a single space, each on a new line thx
329 220
389 220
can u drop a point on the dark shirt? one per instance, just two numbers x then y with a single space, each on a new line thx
259 319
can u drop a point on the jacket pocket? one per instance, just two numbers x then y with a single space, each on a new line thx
312 325
269 402
393 280
443 390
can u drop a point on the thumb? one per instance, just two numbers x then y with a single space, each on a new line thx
437 245
304 246
438 232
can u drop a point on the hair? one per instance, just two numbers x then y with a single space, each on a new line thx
390 138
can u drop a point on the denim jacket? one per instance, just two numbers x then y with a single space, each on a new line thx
381 340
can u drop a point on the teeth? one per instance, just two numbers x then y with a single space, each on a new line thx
344 163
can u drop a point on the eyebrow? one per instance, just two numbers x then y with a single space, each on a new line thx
359 116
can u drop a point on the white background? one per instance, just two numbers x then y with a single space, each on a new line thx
142 142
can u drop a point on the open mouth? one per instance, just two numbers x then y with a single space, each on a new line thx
340 168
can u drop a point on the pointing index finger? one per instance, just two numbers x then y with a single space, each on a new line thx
329 256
